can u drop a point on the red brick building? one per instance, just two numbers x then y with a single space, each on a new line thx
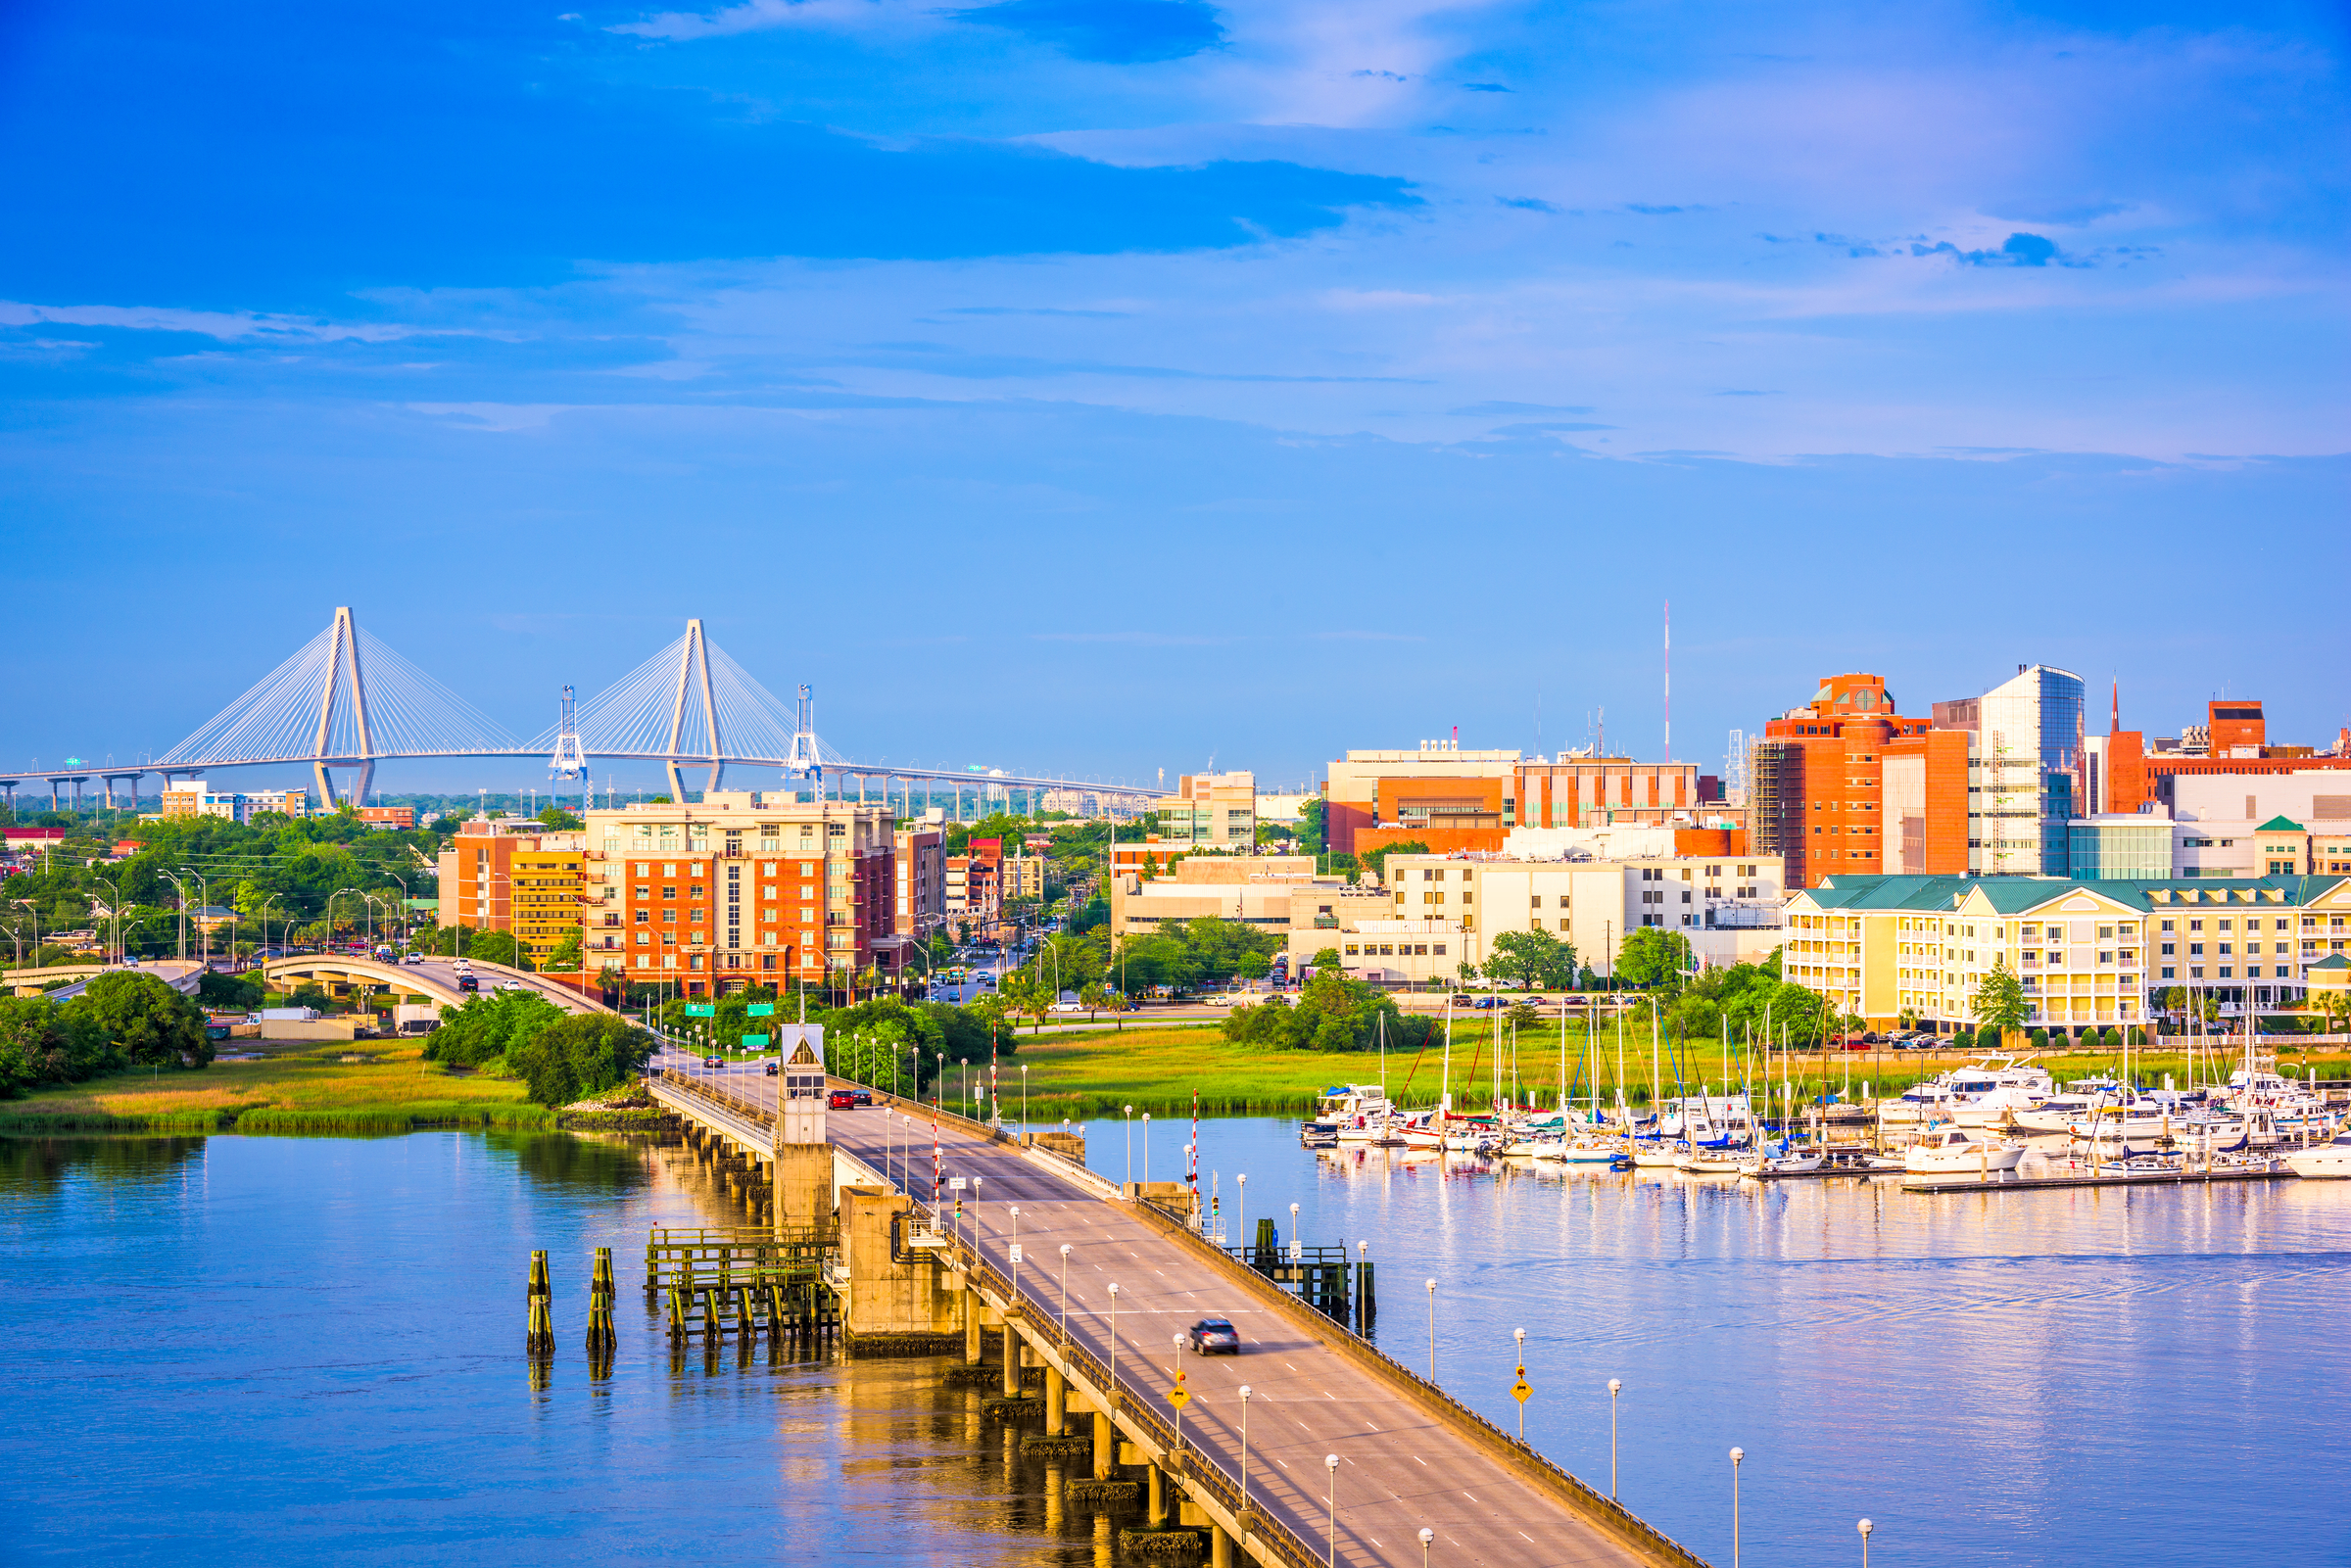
1847 784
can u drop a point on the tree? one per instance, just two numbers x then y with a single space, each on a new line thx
149 1022
1377 859
496 947
2000 1000
578 1056
1310 827
489 1027
1094 996
1653 956
41 1042
1533 959
561 821
1024 996
568 955
1466 971
1327 958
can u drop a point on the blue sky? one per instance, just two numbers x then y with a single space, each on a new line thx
1110 384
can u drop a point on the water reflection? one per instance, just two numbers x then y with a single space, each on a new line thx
41 1165
600 1163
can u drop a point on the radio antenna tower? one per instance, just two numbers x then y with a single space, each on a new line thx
568 762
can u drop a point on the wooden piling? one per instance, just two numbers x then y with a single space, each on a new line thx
601 1339
540 1339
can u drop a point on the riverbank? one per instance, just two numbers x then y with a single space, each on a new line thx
365 1086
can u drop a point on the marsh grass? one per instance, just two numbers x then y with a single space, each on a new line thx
305 1088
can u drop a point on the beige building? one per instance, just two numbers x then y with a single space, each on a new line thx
547 884
1210 811
1727 907
195 800
1254 889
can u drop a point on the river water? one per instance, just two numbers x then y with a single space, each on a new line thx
301 1349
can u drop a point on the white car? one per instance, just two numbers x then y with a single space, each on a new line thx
413 958
509 985
1068 1007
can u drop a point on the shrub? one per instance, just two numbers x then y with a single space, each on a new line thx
580 1056
488 1027
150 1023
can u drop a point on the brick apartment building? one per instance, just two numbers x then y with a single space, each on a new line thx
738 890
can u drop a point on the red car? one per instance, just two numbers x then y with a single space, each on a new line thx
840 1100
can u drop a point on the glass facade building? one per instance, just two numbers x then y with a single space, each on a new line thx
2029 737
2122 848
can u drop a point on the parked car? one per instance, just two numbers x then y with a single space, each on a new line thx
1214 1334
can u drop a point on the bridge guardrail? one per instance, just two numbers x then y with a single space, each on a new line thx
1605 1512
1191 1465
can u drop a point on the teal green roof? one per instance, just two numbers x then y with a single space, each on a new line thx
2012 895
2335 962
2279 824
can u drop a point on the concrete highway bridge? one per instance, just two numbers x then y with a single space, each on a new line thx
181 975
1256 1475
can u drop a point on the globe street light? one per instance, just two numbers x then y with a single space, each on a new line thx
1865 1527
1146 1148
1244 1211
1519 1335
1245 1468
1426 1536
1737 1454
1330 1540
1113 1342
1179 1404
1065 1302
1432 1331
1128 1113
1615 1386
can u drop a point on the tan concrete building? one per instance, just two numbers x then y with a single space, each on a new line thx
1210 811
1352 786
1727 907
1254 889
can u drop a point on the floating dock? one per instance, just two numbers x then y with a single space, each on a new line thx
2009 1182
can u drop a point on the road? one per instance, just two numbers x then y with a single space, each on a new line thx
180 975
1398 1470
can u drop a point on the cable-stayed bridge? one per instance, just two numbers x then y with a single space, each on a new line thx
346 700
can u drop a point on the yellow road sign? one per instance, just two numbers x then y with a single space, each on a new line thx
1520 1391
1179 1397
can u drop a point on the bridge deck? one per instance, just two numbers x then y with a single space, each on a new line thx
1403 1462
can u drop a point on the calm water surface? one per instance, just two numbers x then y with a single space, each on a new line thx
308 1350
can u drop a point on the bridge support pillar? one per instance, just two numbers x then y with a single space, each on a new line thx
1012 1356
1155 1506
1057 1403
1220 1547
970 1327
1106 1448
803 1184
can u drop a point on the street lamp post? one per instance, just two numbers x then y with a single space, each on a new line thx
1146 1148
1737 1454
1244 1465
1519 1335
1432 1331
1180 1404
1113 1342
1065 1302
1865 1527
1615 1386
1330 1537
1426 1536
1024 1099
1128 1113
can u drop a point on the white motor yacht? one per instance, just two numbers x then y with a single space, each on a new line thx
1953 1150
1359 1112
1982 1094
2324 1161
